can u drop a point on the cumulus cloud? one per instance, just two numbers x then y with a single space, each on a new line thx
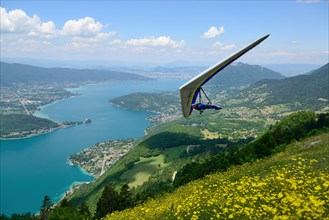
223 47
161 41
82 27
18 22
213 32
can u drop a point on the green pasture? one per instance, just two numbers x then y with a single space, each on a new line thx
143 169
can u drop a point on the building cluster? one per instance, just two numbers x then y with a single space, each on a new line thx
27 98
98 158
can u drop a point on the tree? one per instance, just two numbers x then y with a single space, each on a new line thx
83 209
3 217
125 197
108 203
65 203
45 207
65 213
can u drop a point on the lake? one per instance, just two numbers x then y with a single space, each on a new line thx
34 167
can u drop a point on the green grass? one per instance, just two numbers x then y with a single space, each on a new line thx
143 169
173 153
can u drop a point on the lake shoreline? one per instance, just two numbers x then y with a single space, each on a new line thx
29 136
61 126
108 123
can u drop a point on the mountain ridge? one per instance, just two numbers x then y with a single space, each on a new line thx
310 89
22 73
241 74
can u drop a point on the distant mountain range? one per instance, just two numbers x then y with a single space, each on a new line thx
240 74
309 89
235 75
21 73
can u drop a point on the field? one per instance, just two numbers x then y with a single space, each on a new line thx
209 135
143 169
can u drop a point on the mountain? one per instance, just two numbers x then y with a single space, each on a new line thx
290 70
308 89
240 74
235 75
21 73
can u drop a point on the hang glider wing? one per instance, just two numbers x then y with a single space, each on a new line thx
189 91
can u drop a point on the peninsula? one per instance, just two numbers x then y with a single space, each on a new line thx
15 126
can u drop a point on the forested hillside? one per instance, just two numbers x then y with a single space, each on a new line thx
308 91
17 125
154 102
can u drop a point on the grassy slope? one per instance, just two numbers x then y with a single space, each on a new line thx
142 170
292 184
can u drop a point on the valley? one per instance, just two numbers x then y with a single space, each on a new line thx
150 164
246 115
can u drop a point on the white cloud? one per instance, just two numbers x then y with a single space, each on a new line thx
82 27
228 47
18 22
141 49
48 28
308 1
279 54
162 41
217 45
221 46
213 32
116 42
100 37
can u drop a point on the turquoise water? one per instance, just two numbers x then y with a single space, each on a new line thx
34 167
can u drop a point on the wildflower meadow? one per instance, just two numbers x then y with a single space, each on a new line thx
294 186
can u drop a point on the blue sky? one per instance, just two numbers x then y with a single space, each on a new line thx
165 31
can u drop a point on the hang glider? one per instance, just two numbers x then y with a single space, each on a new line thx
189 91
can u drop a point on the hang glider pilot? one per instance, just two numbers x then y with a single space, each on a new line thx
202 106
